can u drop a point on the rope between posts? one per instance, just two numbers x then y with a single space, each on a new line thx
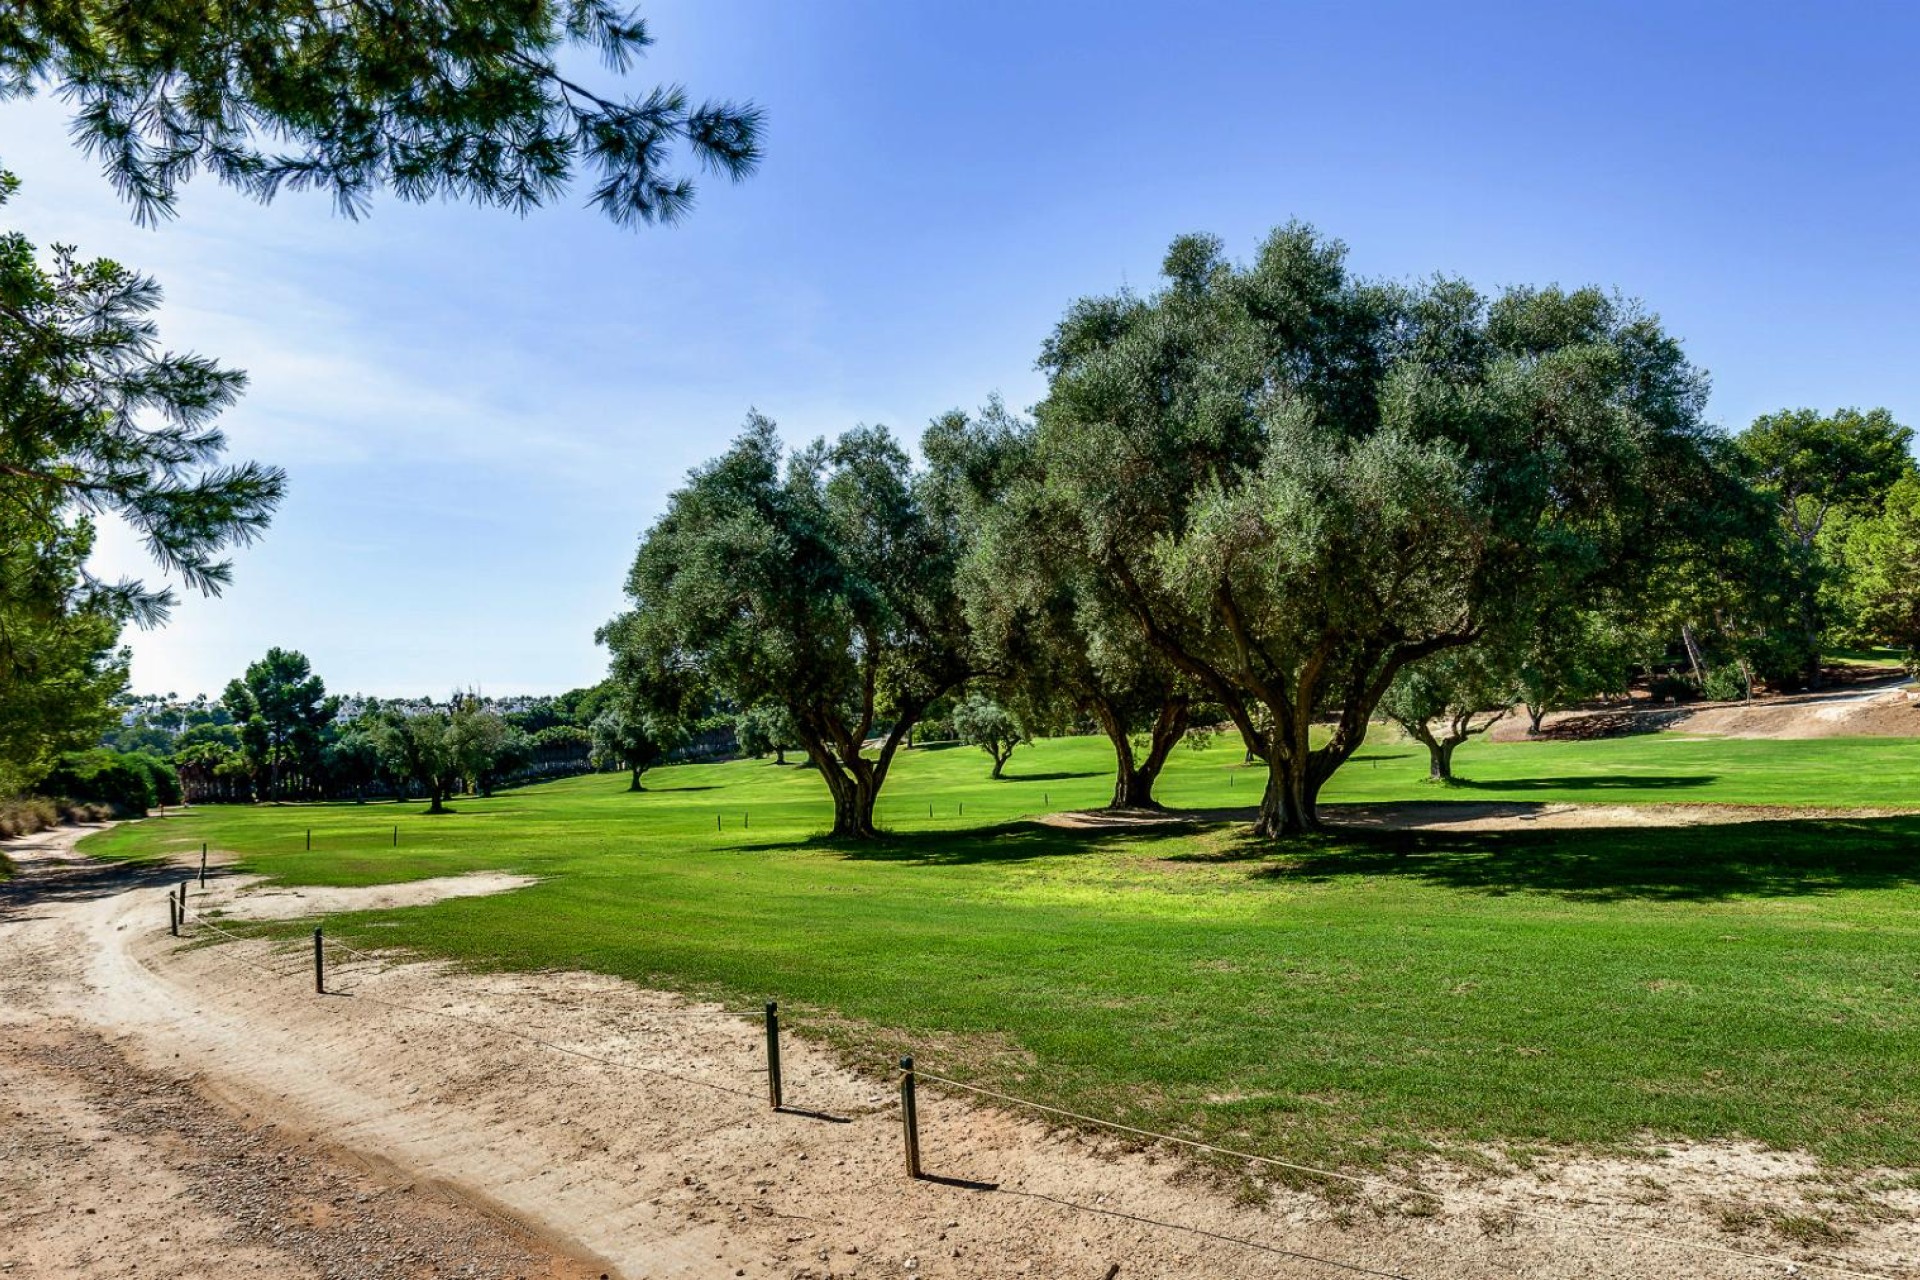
1374 1180
1359 1180
497 1029
1242 1241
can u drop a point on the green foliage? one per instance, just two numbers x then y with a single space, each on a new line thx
627 736
822 583
1060 648
480 740
99 418
1298 482
130 782
981 722
462 99
766 730
1821 471
60 666
1446 698
1346 997
419 749
1882 596
281 710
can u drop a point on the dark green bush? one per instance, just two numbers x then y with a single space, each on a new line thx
129 782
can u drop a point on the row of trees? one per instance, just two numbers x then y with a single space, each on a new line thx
275 733
1282 497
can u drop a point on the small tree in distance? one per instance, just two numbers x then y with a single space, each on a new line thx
984 723
1443 700
766 729
626 736
421 749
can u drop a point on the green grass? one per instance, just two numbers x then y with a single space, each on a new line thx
1878 656
1346 999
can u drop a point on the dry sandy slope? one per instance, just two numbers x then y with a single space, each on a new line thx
672 1165
1869 706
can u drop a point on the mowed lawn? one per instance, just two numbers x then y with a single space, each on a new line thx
1350 999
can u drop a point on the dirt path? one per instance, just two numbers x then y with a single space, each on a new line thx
245 1117
1867 705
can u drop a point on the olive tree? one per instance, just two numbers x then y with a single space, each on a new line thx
1442 701
820 581
981 722
1298 482
1056 643
628 736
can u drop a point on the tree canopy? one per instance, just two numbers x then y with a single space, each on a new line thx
464 99
1298 482
282 710
821 582
99 418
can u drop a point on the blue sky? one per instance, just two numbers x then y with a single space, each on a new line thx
480 413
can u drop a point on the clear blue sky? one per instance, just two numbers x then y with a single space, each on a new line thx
481 413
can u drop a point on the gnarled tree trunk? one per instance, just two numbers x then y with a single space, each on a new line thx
1134 778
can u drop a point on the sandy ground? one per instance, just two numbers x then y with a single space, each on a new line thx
191 1108
1870 705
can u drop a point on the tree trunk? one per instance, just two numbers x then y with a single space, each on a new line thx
1440 759
1693 654
1289 806
1132 787
634 784
999 762
779 755
436 806
1535 713
852 807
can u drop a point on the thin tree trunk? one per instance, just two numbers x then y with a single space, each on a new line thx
1535 713
634 783
999 762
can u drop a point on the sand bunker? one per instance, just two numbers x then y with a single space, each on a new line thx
276 903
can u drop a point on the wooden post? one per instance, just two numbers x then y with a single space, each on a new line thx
173 915
203 864
746 821
319 965
773 1053
716 822
309 839
909 1117
183 900
396 835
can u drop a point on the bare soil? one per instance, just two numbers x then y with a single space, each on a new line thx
219 1118
1859 702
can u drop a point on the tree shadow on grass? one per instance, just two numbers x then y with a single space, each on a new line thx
1594 782
1019 841
1062 776
1795 858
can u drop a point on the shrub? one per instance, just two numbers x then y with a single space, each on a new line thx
1724 684
127 784
25 815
